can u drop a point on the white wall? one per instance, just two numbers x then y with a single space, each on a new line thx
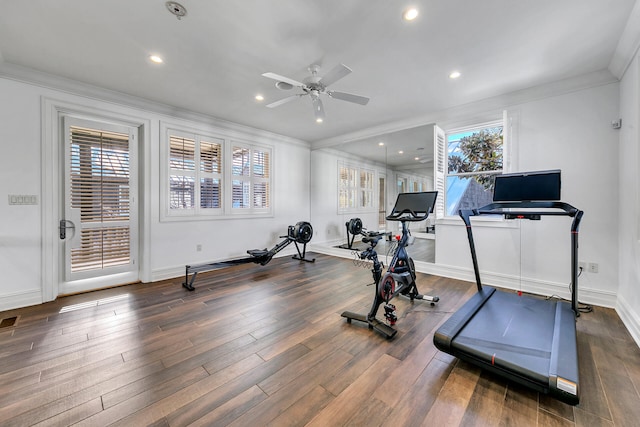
166 246
571 132
628 210
20 235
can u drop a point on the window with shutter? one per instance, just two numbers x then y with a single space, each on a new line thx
251 174
356 189
99 190
209 176
439 169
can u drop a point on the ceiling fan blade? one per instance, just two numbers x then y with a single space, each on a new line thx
318 109
338 72
280 78
283 101
362 100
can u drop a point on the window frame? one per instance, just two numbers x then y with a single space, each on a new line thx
441 172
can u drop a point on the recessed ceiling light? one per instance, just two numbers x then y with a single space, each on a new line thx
319 120
416 158
400 152
259 97
410 14
380 143
156 59
454 74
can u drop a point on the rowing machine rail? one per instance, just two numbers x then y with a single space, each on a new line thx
301 233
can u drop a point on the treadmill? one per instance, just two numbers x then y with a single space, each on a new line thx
526 339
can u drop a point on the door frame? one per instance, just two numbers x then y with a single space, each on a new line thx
52 167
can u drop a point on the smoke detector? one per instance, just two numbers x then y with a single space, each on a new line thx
176 8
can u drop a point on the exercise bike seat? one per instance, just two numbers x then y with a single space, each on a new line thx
372 239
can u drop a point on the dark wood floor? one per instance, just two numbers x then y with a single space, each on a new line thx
255 346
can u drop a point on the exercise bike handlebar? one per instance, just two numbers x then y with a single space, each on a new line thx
408 215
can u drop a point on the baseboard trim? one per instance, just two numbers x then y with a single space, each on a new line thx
20 299
534 286
630 319
179 271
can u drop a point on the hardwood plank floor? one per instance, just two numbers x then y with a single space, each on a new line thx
267 346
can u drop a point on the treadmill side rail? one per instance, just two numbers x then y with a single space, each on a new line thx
563 366
458 320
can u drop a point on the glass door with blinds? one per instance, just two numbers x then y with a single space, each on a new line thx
99 227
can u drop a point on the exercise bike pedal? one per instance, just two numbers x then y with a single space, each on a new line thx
433 300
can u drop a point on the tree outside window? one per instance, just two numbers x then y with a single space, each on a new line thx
475 157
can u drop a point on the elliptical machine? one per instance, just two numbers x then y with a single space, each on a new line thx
400 277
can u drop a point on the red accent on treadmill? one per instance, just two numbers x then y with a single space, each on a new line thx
493 359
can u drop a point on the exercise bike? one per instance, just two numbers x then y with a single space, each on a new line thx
400 277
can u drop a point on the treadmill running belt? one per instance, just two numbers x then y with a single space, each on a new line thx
512 331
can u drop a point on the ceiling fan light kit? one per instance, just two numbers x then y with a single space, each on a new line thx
314 86
284 85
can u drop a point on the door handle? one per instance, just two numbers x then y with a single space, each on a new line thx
64 224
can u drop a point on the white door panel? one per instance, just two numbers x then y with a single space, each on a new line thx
99 209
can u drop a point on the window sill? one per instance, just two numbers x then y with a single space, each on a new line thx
495 222
236 215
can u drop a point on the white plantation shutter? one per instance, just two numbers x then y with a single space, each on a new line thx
251 178
210 174
241 188
347 192
100 191
439 169
366 189
261 176
182 163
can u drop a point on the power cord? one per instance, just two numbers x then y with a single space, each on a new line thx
582 308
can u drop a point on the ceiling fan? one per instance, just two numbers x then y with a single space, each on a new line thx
314 85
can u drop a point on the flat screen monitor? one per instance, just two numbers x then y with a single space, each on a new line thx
529 186
421 203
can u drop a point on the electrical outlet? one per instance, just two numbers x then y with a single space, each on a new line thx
198 248
593 267
582 265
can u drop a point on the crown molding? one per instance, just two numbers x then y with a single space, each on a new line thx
628 44
478 111
73 87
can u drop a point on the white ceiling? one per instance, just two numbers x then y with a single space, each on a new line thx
215 56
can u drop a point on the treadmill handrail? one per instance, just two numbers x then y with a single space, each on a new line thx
562 208
499 208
